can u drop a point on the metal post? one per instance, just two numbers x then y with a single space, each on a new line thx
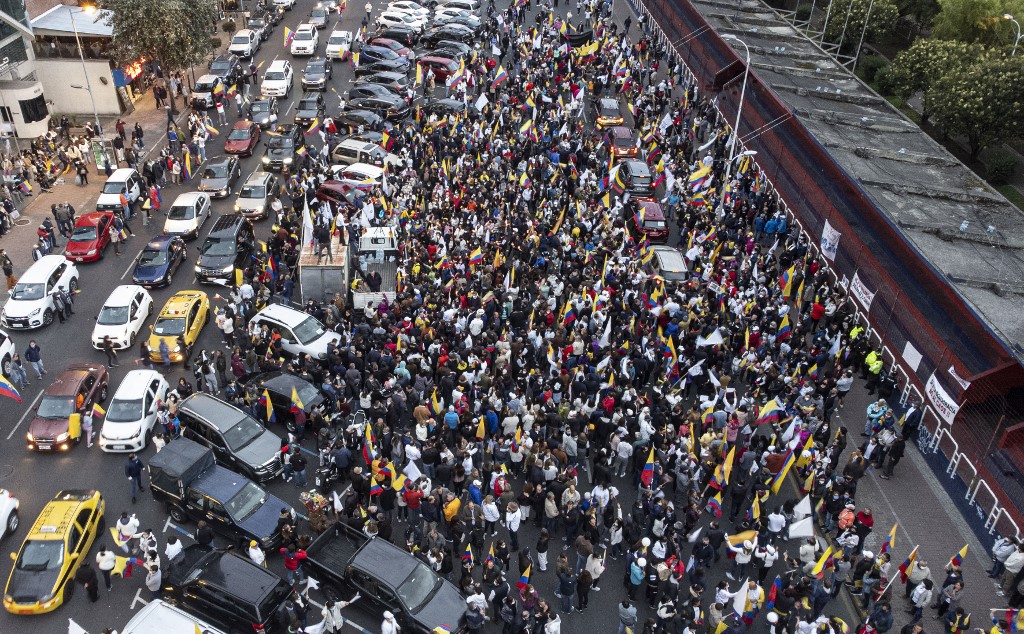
85 70
1016 40
863 31
739 113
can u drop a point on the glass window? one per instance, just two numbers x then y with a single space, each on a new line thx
34 109
39 555
124 411
246 501
112 316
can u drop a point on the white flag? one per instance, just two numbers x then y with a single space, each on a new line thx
481 102
713 339
666 121
803 507
802 528
606 337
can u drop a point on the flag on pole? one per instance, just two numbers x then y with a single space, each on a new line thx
98 411
524 579
781 475
476 257
958 559
770 412
819 568
890 540
368 453
784 328
467 555
297 404
647 475
7 389
265 399
907 564
715 505
481 430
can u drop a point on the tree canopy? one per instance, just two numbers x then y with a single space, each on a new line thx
977 21
917 68
838 29
176 33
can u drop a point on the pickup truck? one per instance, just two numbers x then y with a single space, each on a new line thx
344 560
186 478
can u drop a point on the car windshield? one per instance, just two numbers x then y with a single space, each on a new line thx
152 257
304 36
246 501
254 23
56 407
204 86
280 143
242 433
338 39
253 191
215 247
261 106
220 68
655 224
315 67
609 110
275 75
318 13
418 586
307 104
38 555
239 134
169 326
182 212
113 187
123 411
308 330
82 234
112 316
240 39
217 170
27 292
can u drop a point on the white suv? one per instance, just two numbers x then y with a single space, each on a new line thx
306 40
299 331
131 414
339 44
278 80
245 43
31 304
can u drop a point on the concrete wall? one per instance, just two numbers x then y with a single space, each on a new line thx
57 75
13 92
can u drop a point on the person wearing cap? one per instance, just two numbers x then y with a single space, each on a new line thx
389 625
766 557
637 572
256 554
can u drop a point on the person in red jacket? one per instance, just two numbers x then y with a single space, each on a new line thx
293 558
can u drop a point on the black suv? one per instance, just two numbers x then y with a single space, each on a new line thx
238 440
226 589
228 248
316 74
311 106
228 67
261 25
283 145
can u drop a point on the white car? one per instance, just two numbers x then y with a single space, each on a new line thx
122 317
7 351
299 331
287 4
187 214
131 414
393 18
339 44
406 6
245 43
278 80
359 173
8 513
31 304
305 41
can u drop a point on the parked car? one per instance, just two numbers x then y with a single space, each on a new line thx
9 519
228 248
400 66
280 386
390 107
90 236
228 67
122 316
442 67
355 118
300 332
158 261
401 34
238 440
219 176
131 415
225 588
186 478
57 420
157 617
206 90
261 25
243 138
395 83
395 18
397 47
124 181
43 576
31 304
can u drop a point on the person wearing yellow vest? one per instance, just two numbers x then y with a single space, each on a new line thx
874 364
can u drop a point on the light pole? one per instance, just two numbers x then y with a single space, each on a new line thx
739 113
1016 40
88 10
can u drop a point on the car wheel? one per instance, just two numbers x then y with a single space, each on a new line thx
177 514
148 439
103 394
48 317
7 366
12 523
131 341
73 284
69 590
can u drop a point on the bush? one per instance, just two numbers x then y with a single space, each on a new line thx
999 166
803 12
229 27
870 65
216 43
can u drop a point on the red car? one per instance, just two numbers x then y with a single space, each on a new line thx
442 66
242 139
394 45
90 236
651 219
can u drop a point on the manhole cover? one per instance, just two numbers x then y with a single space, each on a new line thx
21 222
6 471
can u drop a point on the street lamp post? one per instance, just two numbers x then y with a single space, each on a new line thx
739 113
88 10
1016 40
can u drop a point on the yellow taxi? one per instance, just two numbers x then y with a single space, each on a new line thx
43 577
184 316
609 113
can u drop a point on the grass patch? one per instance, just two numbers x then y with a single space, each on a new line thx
1013 195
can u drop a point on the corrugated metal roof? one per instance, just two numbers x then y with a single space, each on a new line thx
57 21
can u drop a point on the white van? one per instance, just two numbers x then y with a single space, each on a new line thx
124 180
299 331
158 617
31 304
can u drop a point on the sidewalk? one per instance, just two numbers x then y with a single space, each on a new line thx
34 209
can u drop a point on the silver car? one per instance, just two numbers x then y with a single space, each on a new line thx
254 198
219 175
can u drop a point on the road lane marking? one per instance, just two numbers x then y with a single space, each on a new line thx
138 599
131 264
27 412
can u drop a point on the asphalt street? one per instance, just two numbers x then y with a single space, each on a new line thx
35 478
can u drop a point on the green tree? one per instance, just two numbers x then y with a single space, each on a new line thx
977 20
846 21
915 69
175 33
983 101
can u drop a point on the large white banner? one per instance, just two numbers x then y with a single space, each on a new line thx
830 241
861 292
940 399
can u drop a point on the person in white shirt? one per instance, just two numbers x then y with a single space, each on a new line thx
256 554
173 549
389 626
105 561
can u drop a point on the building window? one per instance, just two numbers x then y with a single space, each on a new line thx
34 109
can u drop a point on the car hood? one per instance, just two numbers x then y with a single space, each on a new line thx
317 77
263 523
119 331
121 431
216 261
149 272
251 203
48 427
28 586
22 308
213 183
280 153
447 607
180 226
261 450
109 199
232 144
77 247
